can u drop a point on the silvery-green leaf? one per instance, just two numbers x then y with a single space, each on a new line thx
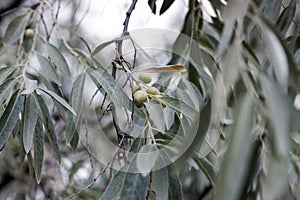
59 99
15 29
50 71
58 59
29 122
49 127
38 149
234 168
103 79
76 103
146 158
10 117
6 89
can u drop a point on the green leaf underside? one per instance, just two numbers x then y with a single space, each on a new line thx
58 99
103 79
203 126
30 120
10 117
115 186
49 127
105 44
160 183
179 106
85 43
58 59
135 187
5 89
234 169
38 149
15 29
76 102
175 187
4 73
279 117
208 169
49 69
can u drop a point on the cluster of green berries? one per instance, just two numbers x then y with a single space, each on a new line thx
140 95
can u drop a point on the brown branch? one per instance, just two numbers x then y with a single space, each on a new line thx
125 29
120 60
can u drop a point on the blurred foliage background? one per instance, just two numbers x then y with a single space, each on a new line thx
239 84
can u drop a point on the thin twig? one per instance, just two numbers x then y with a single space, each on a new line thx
119 150
125 29
91 184
120 60
107 109
87 129
55 18
149 187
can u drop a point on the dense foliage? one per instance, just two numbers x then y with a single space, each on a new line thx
217 118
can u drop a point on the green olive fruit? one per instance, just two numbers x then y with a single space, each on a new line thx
29 33
146 78
136 88
140 97
152 90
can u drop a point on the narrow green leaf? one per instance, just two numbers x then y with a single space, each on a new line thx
103 79
49 69
4 73
277 56
85 43
38 149
234 168
74 141
58 99
30 165
16 130
179 106
271 9
156 114
276 169
165 6
293 71
160 183
279 117
146 159
115 186
152 5
15 29
207 168
286 17
235 10
135 187
203 126
226 38
10 117
105 44
49 127
76 102
30 120
137 145
5 89
58 59
175 188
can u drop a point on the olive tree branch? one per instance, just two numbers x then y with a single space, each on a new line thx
120 61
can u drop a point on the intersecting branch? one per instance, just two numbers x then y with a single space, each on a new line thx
119 59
